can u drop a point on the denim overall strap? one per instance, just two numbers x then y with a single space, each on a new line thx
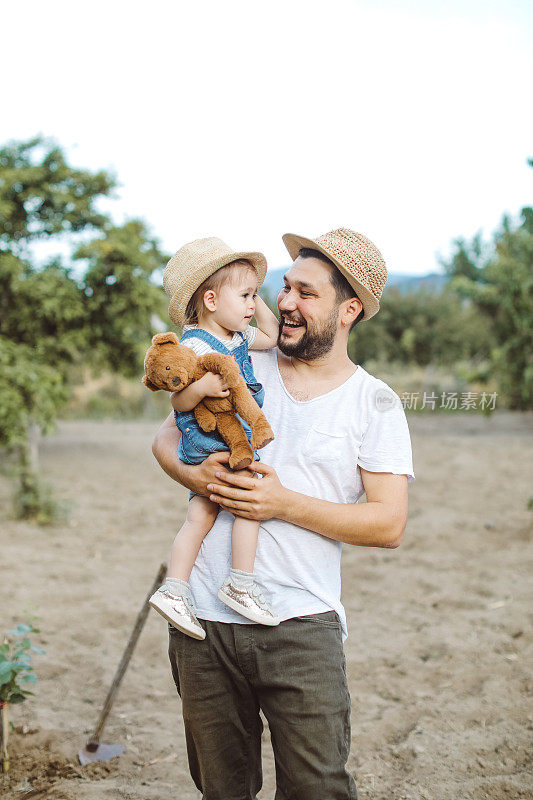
245 365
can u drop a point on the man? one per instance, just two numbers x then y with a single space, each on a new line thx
339 433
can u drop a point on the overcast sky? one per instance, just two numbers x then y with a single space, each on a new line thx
410 122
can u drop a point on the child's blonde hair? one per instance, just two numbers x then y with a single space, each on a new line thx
230 273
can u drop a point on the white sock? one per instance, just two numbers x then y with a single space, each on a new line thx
241 580
177 586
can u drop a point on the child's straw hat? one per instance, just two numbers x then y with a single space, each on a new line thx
196 261
355 256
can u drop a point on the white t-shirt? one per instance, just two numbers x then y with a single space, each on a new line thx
201 348
319 446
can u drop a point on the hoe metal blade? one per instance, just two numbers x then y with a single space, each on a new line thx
103 752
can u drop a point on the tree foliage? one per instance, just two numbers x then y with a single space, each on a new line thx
42 310
42 195
119 298
50 319
484 314
501 289
32 392
422 328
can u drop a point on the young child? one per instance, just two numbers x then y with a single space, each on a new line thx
213 297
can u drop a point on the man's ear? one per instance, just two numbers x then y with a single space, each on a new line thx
165 338
354 307
149 385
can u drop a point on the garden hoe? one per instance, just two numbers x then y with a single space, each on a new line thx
93 750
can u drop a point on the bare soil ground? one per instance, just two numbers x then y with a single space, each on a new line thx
439 629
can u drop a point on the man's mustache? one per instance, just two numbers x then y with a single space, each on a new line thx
284 318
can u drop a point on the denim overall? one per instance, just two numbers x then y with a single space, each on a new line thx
196 445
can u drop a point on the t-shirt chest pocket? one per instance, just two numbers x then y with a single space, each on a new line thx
322 445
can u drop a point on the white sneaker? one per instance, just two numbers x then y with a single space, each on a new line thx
250 603
178 610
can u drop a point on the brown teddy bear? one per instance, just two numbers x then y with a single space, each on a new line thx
172 366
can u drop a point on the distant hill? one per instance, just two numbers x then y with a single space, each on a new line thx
433 282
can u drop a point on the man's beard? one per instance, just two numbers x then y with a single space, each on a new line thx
315 342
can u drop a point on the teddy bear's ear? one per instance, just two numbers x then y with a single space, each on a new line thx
165 338
149 385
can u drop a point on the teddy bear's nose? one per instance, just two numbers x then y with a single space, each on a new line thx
176 381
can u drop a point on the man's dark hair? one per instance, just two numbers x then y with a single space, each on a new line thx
343 290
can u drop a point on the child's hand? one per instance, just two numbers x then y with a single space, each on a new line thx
210 385
214 385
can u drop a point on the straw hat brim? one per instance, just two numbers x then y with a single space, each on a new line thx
294 243
179 301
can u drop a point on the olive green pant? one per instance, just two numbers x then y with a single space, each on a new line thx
296 674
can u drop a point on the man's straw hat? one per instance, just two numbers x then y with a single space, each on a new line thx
193 264
355 256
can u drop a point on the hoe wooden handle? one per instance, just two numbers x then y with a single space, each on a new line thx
92 744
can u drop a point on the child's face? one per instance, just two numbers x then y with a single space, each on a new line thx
235 304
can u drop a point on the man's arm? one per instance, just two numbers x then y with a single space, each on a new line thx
380 522
193 476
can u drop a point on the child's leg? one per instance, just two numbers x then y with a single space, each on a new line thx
244 537
174 600
240 591
201 516
244 543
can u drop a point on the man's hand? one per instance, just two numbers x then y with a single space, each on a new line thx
249 497
195 477
206 472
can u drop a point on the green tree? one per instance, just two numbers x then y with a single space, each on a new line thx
41 316
120 300
422 328
49 320
42 195
501 289
468 259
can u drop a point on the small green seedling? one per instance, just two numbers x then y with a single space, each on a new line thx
16 673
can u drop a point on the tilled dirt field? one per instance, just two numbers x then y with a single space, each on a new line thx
439 629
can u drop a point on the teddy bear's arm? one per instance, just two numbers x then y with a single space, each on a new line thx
224 365
149 385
